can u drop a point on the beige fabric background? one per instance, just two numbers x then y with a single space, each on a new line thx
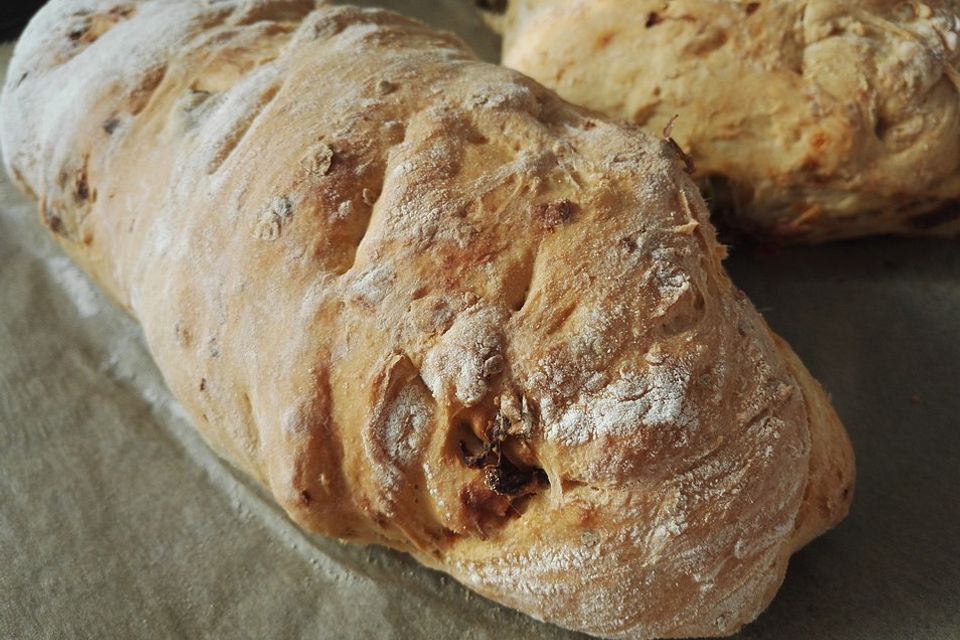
116 521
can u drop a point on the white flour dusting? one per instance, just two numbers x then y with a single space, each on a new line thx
406 425
373 285
670 281
635 400
457 363
76 285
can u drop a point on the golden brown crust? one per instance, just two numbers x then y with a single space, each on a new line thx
810 120
428 304
831 480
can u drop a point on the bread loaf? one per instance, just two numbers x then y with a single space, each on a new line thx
431 306
807 121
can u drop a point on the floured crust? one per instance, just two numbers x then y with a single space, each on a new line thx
430 305
807 121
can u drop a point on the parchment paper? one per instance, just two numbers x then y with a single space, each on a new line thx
116 521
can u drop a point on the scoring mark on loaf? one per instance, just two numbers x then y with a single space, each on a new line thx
146 88
52 217
87 27
373 174
351 261
81 185
64 207
194 105
272 11
335 20
239 128
370 196
522 282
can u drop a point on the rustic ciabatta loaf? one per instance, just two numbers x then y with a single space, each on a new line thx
808 121
430 305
